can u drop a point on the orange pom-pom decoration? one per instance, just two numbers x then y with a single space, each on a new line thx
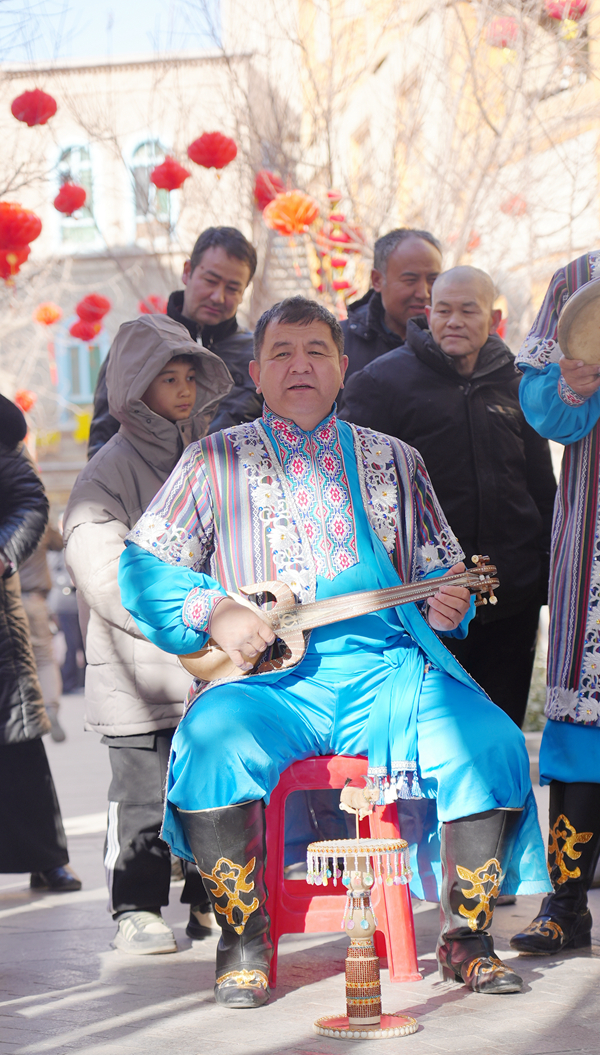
212 150
47 313
25 399
169 175
70 198
291 212
33 108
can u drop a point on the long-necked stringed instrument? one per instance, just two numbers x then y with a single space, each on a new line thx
290 621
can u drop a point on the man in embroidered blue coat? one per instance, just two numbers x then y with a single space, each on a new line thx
328 509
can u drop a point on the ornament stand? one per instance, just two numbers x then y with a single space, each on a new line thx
360 864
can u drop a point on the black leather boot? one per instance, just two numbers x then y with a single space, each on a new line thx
564 920
475 853
229 848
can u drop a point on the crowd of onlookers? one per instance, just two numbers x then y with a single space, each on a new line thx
426 365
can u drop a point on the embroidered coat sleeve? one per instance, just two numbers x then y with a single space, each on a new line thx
550 413
160 577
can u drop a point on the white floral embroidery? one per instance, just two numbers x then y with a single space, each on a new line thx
271 510
168 542
438 555
594 259
563 704
538 353
381 484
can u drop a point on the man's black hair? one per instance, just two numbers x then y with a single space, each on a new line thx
385 245
297 310
229 239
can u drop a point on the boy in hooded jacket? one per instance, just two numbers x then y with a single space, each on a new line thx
164 390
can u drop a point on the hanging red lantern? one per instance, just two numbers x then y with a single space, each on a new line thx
515 206
47 313
291 212
18 226
70 198
169 175
340 284
502 32
152 305
212 150
85 331
266 187
560 10
33 108
25 399
334 197
11 261
474 242
338 262
93 307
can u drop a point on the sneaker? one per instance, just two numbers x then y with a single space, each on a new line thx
200 923
58 880
143 934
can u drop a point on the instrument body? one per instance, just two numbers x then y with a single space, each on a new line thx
578 330
291 621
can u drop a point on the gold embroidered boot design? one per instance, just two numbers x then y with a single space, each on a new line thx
486 883
231 880
562 831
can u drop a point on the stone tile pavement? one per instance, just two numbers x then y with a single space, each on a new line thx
64 990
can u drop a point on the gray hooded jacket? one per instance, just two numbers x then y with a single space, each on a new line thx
132 687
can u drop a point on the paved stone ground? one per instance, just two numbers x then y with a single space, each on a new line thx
64 990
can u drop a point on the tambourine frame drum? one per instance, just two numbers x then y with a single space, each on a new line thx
579 324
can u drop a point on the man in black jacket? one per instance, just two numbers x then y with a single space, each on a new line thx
215 277
405 265
452 392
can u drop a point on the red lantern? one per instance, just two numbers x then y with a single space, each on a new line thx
338 262
25 399
93 308
340 284
562 9
502 32
266 187
47 313
212 150
18 226
515 206
474 242
11 260
169 175
153 305
85 331
334 197
70 198
34 108
291 212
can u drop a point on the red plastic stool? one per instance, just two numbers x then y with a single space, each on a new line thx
295 908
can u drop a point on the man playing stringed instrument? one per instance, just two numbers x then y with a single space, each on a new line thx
329 510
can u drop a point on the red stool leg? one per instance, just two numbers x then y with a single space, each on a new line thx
393 908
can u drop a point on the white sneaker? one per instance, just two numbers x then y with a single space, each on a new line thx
144 934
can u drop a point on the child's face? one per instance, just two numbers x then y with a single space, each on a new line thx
172 394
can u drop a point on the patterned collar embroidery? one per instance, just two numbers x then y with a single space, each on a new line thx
313 464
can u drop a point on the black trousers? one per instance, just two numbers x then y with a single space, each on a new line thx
137 861
500 657
33 837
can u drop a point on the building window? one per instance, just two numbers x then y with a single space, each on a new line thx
76 164
152 206
79 364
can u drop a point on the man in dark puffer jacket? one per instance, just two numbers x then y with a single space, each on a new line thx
452 392
215 277
33 837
